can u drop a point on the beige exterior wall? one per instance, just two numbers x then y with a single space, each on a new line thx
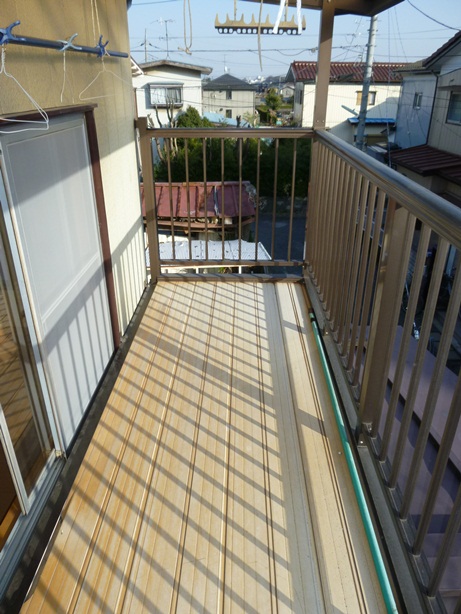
242 102
445 135
41 73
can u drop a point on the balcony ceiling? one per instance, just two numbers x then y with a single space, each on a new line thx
344 7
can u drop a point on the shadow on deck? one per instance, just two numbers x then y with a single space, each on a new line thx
215 480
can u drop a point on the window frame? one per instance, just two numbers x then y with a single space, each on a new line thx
165 101
371 98
451 104
417 100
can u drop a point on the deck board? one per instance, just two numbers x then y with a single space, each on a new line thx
213 482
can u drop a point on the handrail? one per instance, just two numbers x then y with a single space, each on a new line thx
443 217
234 133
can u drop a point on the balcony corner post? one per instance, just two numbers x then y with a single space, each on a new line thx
149 198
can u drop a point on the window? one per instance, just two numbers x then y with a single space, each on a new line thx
454 109
165 95
418 97
229 95
371 98
229 113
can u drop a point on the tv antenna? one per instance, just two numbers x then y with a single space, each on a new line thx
166 22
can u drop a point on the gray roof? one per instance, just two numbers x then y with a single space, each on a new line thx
228 82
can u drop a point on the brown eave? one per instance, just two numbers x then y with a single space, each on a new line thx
426 160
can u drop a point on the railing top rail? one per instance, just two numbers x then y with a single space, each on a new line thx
256 133
442 216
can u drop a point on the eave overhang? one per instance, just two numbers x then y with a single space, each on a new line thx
343 7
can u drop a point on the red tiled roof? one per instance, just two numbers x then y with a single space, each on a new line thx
383 72
197 200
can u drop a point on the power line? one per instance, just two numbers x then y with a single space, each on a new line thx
432 18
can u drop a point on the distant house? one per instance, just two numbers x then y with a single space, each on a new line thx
229 96
344 97
429 127
164 88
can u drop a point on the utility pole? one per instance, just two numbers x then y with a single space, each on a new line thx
145 45
359 141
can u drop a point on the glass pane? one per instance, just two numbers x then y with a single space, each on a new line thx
19 398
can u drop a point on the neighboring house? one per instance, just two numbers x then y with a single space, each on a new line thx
344 97
72 267
164 88
229 96
434 161
415 105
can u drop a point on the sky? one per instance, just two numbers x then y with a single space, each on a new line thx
184 31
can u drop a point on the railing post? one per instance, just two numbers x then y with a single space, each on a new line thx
384 319
149 198
323 65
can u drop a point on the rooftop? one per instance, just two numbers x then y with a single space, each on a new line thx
348 72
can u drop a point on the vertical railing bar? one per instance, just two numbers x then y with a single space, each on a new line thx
443 350
358 241
322 269
418 273
364 247
322 221
205 188
258 169
388 283
338 285
429 310
274 204
170 195
369 285
313 209
189 232
443 455
223 201
330 237
292 205
240 141
446 547
349 254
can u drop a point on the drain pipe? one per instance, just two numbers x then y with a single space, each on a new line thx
386 589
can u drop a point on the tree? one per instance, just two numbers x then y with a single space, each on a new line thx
273 100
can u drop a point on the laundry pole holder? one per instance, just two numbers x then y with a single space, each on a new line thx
7 36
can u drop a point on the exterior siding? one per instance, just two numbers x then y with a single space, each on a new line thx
413 123
445 135
41 73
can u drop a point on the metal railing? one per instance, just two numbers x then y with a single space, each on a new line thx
383 275
222 199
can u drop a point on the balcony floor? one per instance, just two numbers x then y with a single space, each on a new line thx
215 479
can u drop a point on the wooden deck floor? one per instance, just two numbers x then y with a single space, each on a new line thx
215 480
